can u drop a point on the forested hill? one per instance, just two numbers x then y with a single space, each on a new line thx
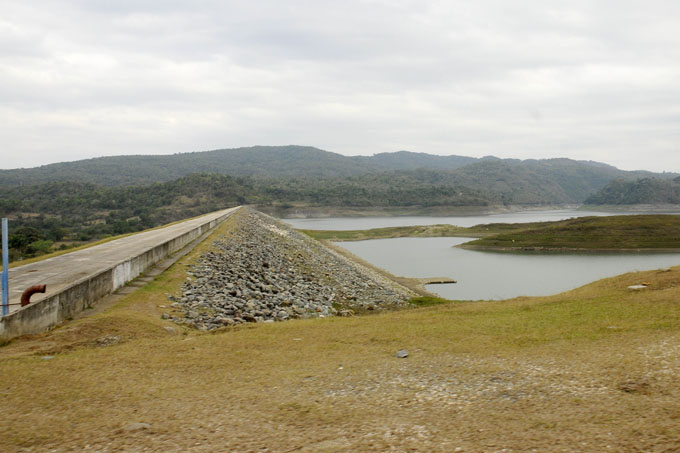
256 161
577 178
59 213
641 191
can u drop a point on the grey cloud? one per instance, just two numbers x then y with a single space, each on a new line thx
581 79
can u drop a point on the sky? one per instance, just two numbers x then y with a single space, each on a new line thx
584 79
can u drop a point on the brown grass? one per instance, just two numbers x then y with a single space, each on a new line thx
594 369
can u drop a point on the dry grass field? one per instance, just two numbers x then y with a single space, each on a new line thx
594 369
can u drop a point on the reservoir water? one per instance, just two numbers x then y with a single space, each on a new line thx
364 223
487 275
499 275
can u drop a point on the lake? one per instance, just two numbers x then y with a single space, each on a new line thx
499 275
487 275
365 223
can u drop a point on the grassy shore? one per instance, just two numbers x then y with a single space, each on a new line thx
627 232
593 369
422 231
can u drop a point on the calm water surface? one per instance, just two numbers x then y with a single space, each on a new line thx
364 223
486 275
496 275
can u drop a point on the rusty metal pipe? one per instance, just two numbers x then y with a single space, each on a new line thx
26 296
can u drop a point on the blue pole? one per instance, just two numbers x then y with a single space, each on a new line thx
5 269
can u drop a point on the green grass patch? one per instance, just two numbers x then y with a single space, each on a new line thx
627 232
422 231
426 301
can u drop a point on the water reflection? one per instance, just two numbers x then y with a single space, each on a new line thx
364 223
491 275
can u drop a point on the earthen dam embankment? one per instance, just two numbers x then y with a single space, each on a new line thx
78 280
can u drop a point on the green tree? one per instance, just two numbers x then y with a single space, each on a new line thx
23 237
39 247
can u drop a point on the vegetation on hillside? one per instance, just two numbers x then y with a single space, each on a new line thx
66 204
59 215
255 161
577 179
640 191
62 214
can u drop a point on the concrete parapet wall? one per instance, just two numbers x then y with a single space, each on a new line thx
85 292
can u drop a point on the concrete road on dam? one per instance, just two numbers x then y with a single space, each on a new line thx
61 271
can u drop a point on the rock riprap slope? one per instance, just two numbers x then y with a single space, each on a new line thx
263 271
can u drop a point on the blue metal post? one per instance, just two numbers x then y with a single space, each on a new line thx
5 269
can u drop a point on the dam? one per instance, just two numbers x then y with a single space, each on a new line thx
77 280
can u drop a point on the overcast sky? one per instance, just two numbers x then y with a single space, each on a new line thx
596 80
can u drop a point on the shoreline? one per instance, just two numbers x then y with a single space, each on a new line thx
599 234
323 212
417 285
489 248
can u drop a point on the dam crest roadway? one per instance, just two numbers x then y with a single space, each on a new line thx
78 279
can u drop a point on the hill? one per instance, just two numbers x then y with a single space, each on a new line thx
63 213
485 182
577 179
256 161
406 160
61 204
640 191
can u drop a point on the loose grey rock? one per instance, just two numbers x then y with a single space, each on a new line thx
249 318
132 427
108 340
264 271
402 353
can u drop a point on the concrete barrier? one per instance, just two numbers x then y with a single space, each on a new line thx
85 292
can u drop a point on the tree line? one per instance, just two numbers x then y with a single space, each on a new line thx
61 214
